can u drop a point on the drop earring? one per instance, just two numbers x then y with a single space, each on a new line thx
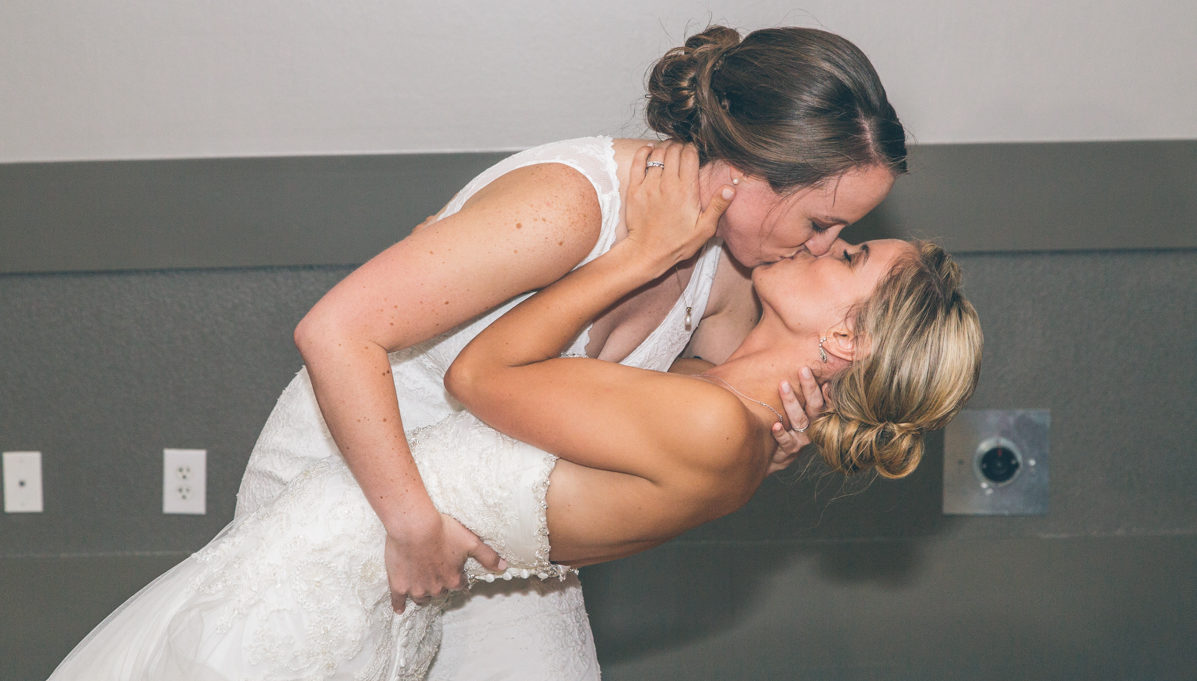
822 352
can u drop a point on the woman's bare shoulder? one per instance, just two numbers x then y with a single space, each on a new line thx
714 430
540 187
715 453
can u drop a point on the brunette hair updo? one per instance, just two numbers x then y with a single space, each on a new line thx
794 106
923 360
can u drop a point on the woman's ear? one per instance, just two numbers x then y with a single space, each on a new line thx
840 341
734 175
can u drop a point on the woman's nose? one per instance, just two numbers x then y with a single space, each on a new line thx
821 243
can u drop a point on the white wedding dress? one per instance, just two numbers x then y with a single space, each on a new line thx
295 587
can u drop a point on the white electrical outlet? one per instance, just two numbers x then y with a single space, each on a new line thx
22 482
184 481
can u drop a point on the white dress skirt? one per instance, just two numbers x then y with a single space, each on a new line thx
297 589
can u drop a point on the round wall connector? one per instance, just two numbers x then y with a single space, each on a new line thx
997 461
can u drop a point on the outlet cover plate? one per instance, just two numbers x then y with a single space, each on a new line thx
184 481
22 482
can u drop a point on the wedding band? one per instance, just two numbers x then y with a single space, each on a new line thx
654 164
803 428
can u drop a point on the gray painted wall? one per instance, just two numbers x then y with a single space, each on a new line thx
102 370
339 210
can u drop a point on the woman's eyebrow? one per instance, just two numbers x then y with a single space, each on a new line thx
864 255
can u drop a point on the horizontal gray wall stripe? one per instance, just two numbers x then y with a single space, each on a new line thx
1047 197
201 213
339 210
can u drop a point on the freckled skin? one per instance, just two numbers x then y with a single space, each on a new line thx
465 264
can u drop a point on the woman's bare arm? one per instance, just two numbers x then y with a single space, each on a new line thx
645 455
671 452
520 233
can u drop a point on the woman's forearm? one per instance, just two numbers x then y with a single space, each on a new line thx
354 388
431 282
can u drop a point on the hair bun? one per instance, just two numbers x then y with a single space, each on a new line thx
679 86
848 445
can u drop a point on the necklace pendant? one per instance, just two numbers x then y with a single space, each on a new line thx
689 327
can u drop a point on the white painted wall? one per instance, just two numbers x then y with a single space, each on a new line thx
88 79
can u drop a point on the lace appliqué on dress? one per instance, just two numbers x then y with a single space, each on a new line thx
496 486
298 590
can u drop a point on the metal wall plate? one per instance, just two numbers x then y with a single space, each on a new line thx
995 462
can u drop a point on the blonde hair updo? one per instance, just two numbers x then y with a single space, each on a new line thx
923 360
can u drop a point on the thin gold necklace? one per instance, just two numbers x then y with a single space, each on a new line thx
732 388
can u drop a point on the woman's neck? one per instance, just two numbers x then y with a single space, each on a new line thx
757 368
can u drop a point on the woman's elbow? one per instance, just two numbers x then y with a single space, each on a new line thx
307 336
726 501
318 334
724 493
477 384
459 380
302 335
704 499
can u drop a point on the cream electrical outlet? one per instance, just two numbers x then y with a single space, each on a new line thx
184 481
22 482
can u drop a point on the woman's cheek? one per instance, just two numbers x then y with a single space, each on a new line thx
744 247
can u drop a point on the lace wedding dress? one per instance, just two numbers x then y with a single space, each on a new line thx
295 587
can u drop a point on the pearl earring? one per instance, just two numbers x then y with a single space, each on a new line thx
822 352
735 180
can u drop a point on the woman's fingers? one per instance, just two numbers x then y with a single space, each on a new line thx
709 219
794 439
792 406
671 156
688 165
801 410
662 206
786 440
639 165
812 394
